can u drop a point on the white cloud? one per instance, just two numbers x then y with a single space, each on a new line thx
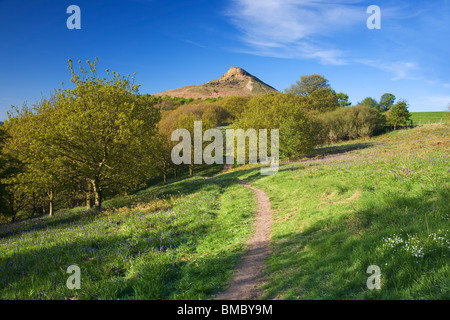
289 28
302 50
312 29
399 69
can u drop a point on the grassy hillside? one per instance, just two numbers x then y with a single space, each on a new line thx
385 204
382 201
181 241
428 117
235 82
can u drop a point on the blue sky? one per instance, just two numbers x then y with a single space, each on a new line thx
175 43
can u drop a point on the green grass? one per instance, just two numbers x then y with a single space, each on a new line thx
382 201
428 117
384 204
180 241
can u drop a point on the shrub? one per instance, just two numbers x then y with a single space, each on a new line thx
350 123
286 112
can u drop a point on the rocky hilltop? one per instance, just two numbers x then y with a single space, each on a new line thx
235 82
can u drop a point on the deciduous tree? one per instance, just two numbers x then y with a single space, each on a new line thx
386 102
101 129
399 114
370 102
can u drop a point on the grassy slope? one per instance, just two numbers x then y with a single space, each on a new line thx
180 241
428 117
385 204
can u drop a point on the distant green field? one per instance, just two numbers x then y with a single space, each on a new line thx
427 117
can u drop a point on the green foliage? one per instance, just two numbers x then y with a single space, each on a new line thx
286 113
316 94
166 103
298 136
343 100
350 123
3 174
385 204
43 175
96 137
370 102
321 100
386 102
156 244
399 114
234 105
308 84
211 115
12 197
421 118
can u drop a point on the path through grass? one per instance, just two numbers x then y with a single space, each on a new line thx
180 241
386 204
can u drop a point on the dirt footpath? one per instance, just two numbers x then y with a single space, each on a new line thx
247 279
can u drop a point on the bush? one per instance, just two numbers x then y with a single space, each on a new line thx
234 105
350 123
286 112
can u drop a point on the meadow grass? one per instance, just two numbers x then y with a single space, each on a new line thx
380 201
385 204
428 117
180 241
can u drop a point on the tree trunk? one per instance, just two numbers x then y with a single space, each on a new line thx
34 209
88 201
191 170
164 172
88 197
50 199
11 207
97 195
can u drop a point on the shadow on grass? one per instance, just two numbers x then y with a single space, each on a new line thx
43 222
329 259
182 186
203 279
112 267
338 149
126 263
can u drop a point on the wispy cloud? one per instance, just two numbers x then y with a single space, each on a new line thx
307 29
193 43
399 69
293 28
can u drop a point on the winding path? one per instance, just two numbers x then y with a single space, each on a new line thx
247 279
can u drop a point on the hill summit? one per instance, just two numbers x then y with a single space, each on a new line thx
235 82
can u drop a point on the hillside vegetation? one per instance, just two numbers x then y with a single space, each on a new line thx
235 82
382 202
88 177
180 241
421 118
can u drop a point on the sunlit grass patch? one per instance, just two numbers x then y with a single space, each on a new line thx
334 217
181 240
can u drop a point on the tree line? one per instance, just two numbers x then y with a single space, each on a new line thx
101 137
